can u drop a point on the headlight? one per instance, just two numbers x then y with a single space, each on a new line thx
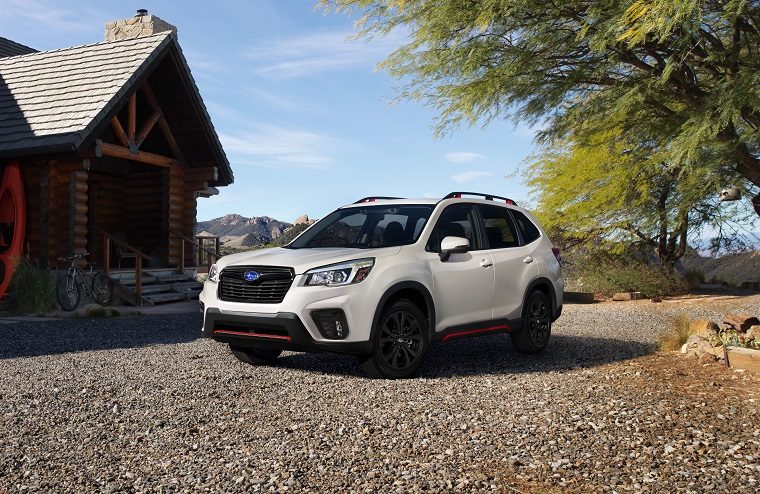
213 274
347 273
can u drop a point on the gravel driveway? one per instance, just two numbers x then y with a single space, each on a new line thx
141 405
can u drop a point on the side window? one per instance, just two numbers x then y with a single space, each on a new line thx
455 221
528 230
500 231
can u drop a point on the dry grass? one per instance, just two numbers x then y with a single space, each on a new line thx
678 334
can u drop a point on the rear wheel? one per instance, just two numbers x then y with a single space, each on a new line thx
400 343
537 325
101 288
67 292
255 356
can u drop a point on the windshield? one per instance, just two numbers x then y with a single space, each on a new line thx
366 227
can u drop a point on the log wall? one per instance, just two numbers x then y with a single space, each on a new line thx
175 220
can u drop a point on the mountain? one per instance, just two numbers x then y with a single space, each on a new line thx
734 269
237 231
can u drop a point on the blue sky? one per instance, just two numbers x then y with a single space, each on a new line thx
307 121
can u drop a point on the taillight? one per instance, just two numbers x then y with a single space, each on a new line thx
557 254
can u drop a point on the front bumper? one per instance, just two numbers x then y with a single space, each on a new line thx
282 331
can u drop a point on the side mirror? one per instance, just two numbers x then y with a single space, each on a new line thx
453 245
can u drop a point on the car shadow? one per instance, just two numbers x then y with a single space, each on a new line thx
490 355
30 339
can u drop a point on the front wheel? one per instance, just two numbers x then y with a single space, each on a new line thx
67 292
400 343
537 325
102 289
255 356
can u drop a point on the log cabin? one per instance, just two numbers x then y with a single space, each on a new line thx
115 146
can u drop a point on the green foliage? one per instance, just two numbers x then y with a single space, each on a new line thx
683 71
32 289
615 184
694 277
732 337
607 273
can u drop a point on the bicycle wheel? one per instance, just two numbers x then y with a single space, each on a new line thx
68 293
102 289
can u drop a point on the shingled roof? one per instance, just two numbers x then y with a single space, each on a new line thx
53 101
9 48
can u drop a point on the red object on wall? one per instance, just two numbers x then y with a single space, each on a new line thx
12 223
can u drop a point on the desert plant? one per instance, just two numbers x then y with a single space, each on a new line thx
679 332
32 289
694 277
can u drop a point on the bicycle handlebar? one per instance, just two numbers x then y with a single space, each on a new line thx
74 257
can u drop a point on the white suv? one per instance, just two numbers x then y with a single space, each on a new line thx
384 278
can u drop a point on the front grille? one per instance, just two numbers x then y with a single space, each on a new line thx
270 288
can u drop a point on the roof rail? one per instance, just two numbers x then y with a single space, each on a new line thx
487 197
375 198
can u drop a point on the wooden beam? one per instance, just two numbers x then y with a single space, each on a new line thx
116 151
146 128
132 118
162 124
119 131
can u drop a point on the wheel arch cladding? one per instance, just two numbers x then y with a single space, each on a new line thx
545 286
413 291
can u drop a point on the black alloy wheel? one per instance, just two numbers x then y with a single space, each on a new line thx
401 342
537 324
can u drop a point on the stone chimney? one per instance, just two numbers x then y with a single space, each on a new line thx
141 24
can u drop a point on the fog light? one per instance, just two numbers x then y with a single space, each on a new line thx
331 323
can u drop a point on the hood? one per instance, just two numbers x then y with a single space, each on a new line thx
302 260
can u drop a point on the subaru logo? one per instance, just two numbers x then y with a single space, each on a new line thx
250 276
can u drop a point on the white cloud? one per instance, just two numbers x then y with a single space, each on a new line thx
470 176
308 54
271 146
40 14
463 157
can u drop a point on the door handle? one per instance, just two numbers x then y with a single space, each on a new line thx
486 263
528 260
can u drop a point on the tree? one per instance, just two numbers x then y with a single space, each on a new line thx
615 186
685 69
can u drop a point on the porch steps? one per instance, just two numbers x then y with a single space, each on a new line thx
158 286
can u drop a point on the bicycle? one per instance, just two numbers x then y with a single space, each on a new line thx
69 287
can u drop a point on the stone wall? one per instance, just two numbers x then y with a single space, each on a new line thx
134 27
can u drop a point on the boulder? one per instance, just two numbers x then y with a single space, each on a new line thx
625 296
741 322
699 347
704 328
753 333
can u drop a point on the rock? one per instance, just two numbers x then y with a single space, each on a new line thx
741 322
697 346
303 219
704 328
753 333
625 296
656 300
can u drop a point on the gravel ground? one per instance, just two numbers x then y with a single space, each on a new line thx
141 405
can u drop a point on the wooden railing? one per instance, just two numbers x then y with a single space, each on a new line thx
139 256
212 255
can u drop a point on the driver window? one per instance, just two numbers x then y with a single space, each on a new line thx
455 221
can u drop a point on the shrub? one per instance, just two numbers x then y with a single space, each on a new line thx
32 289
609 276
678 334
95 310
694 277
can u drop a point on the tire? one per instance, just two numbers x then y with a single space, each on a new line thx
537 325
68 293
102 289
255 356
400 342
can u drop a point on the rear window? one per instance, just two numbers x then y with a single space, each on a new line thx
529 231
